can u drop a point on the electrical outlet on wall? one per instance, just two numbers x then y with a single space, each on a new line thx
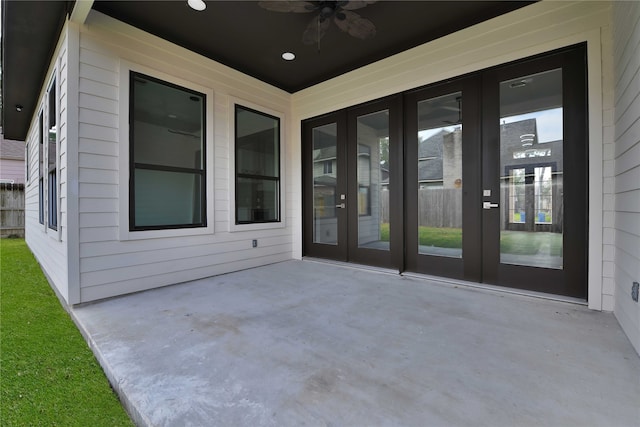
634 291
254 243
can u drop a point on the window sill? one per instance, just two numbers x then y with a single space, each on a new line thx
256 226
168 233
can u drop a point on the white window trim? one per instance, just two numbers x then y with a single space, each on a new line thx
123 146
233 227
55 233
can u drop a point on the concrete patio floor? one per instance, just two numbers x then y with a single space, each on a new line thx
308 343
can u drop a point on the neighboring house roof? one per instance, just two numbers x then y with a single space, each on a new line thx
432 146
512 132
325 180
430 170
430 157
327 153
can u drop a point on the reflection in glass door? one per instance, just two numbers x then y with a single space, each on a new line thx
373 180
534 205
442 161
375 203
531 147
325 189
325 178
440 176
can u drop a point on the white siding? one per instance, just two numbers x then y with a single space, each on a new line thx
626 166
50 246
534 29
110 264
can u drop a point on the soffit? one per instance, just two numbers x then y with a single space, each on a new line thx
240 34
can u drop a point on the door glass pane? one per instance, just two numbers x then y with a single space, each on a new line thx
325 175
440 176
531 134
373 180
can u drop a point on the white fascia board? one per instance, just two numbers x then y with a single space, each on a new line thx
80 11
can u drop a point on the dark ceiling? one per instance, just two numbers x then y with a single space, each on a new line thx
240 34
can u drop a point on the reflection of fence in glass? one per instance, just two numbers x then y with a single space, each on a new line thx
437 207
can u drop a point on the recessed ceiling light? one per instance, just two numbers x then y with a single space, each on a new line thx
288 56
198 5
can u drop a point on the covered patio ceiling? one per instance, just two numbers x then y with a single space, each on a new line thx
240 34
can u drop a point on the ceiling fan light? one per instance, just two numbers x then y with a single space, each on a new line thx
198 5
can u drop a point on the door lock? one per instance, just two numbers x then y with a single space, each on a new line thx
489 205
341 205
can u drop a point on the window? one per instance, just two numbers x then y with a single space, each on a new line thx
52 155
167 172
257 157
543 191
27 159
364 180
41 168
517 188
328 167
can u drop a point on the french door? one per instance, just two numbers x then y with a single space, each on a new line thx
352 180
487 184
535 144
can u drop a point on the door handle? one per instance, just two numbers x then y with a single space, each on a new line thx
489 205
341 206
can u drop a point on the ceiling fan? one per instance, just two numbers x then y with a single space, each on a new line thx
341 12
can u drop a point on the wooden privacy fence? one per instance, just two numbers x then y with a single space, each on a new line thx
11 210
437 207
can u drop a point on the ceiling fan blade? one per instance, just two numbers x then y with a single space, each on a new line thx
288 6
356 4
356 25
315 30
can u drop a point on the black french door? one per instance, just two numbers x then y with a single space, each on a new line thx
442 137
352 181
535 144
481 178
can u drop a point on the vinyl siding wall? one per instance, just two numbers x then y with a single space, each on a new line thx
12 169
534 29
50 246
115 261
626 166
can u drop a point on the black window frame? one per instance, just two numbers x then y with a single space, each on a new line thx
52 158
202 172
238 175
41 168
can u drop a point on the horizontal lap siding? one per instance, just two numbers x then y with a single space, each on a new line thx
626 28
50 246
12 169
110 266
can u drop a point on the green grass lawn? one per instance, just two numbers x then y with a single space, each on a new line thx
431 236
511 242
48 375
523 243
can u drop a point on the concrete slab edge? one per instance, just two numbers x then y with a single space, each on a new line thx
116 384
134 413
